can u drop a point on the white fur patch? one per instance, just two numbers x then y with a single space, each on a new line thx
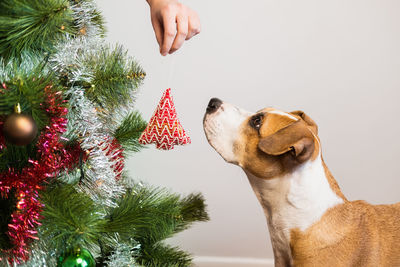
283 114
311 194
296 200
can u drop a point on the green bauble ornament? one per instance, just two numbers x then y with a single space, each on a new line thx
79 257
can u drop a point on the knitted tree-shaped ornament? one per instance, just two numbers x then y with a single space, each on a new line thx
164 128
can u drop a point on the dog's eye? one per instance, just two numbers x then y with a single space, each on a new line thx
256 121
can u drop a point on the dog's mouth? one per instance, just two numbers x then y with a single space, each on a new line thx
221 131
210 123
213 131
209 129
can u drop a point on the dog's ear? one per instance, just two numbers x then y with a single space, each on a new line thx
295 138
310 122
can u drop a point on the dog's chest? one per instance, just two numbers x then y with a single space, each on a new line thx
294 201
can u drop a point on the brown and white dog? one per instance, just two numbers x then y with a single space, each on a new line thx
311 223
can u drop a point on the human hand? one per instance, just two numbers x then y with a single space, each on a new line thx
173 23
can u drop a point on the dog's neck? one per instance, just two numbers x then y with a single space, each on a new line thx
295 200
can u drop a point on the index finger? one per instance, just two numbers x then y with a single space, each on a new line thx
169 21
157 30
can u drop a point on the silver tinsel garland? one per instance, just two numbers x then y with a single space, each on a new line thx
99 178
123 256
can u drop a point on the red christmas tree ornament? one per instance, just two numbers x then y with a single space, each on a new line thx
164 128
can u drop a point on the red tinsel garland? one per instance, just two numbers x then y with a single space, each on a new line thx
52 158
115 150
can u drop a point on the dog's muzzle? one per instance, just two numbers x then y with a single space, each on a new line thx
213 105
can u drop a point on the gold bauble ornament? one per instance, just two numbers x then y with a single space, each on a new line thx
19 129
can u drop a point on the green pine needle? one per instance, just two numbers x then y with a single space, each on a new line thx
147 214
152 215
143 214
115 77
161 254
98 19
130 130
33 25
193 208
71 218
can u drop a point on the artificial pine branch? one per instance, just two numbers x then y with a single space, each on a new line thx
193 209
115 76
152 216
143 214
33 25
160 254
96 17
70 218
130 130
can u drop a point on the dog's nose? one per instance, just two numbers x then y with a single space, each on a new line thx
213 105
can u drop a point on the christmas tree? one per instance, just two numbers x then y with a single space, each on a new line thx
67 123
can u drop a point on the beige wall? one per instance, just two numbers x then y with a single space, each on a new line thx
338 60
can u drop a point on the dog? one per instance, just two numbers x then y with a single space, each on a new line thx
310 221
